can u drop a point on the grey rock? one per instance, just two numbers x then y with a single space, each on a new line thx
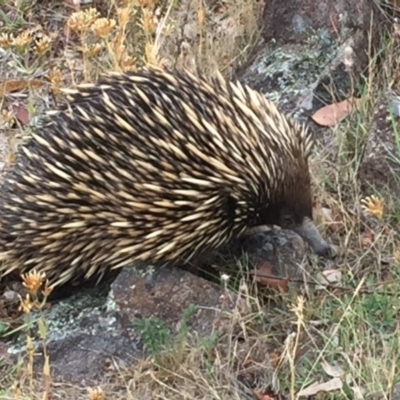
166 293
88 332
84 359
285 250
311 52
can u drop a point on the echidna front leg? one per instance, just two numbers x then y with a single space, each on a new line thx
310 233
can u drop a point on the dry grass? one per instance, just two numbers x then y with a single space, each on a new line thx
293 341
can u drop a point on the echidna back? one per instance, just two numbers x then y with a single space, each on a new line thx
149 166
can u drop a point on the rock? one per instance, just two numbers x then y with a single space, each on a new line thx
89 332
299 18
316 53
285 250
165 294
311 52
85 358
83 337
395 395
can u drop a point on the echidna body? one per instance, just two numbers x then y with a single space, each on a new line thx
152 166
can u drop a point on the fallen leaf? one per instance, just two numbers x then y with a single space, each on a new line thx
330 217
367 238
332 114
332 370
18 85
74 4
327 215
21 113
263 396
329 386
327 277
358 392
265 276
247 363
332 275
275 358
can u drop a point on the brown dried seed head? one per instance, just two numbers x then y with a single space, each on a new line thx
103 27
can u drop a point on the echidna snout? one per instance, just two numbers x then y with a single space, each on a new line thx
302 223
310 233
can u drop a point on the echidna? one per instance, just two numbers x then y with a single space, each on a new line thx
152 166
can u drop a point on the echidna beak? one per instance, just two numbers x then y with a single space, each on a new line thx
309 232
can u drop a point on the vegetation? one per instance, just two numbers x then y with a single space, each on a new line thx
343 335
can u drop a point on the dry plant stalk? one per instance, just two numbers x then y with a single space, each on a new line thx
37 286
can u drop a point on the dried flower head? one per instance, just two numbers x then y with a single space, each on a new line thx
91 50
168 30
22 42
95 394
33 281
124 16
102 27
117 46
8 117
43 45
81 21
373 206
6 40
55 78
149 21
151 55
26 304
128 64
